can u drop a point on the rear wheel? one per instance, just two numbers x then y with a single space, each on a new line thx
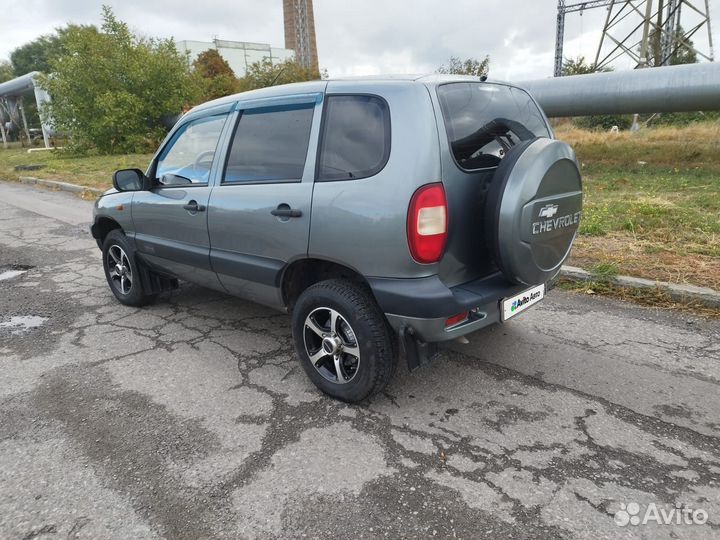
342 340
121 271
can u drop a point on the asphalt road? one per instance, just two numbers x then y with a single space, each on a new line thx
191 418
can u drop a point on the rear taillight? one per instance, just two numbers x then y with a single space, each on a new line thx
427 223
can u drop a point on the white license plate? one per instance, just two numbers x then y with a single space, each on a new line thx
520 302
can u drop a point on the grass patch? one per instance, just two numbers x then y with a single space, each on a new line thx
604 271
90 171
651 202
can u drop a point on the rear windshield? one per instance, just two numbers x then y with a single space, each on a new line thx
483 121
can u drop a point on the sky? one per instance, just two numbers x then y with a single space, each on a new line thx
354 38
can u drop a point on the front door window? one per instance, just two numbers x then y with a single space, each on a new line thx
188 157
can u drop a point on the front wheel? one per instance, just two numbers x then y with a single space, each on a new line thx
121 271
342 340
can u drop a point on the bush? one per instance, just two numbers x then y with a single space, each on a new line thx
112 91
684 118
603 122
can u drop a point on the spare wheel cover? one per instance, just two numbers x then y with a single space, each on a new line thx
533 210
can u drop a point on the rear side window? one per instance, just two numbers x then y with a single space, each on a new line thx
355 142
270 144
483 121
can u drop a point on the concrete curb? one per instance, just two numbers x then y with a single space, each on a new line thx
62 186
676 291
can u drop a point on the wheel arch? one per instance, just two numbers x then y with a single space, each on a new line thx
302 273
102 227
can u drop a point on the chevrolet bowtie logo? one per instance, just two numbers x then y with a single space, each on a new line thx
548 211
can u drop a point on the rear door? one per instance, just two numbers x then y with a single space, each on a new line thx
259 211
171 219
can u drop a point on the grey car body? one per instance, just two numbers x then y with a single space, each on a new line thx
268 239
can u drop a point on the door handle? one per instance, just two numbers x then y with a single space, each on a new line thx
285 211
193 206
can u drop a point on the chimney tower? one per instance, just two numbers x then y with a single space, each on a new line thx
300 32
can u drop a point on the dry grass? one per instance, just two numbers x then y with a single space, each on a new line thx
655 298
647 259
697 145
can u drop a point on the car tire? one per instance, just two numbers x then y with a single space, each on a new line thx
339 331
122 272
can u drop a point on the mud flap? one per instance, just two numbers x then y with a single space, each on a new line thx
152 282
417 352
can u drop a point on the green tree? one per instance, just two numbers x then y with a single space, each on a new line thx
38 54
35 55
217 79
265 73
469 66
6 71
113 91
580 66
683 51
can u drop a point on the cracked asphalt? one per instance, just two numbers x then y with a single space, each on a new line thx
191 419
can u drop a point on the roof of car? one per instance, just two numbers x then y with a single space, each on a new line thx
319 86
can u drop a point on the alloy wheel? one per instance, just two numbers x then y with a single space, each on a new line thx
119 269
331 345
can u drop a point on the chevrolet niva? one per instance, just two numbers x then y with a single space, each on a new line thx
385 215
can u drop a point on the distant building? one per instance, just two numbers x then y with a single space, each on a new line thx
239 54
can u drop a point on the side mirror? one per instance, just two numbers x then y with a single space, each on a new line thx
130 180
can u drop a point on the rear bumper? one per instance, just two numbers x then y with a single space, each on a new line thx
424 304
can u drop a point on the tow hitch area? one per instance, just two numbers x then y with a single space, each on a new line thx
417 352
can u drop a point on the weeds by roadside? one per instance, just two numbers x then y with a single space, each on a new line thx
655 298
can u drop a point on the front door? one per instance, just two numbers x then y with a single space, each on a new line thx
259 211
171 219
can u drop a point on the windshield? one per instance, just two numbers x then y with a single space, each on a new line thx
484 120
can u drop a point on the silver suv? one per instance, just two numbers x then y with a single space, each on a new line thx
384 214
